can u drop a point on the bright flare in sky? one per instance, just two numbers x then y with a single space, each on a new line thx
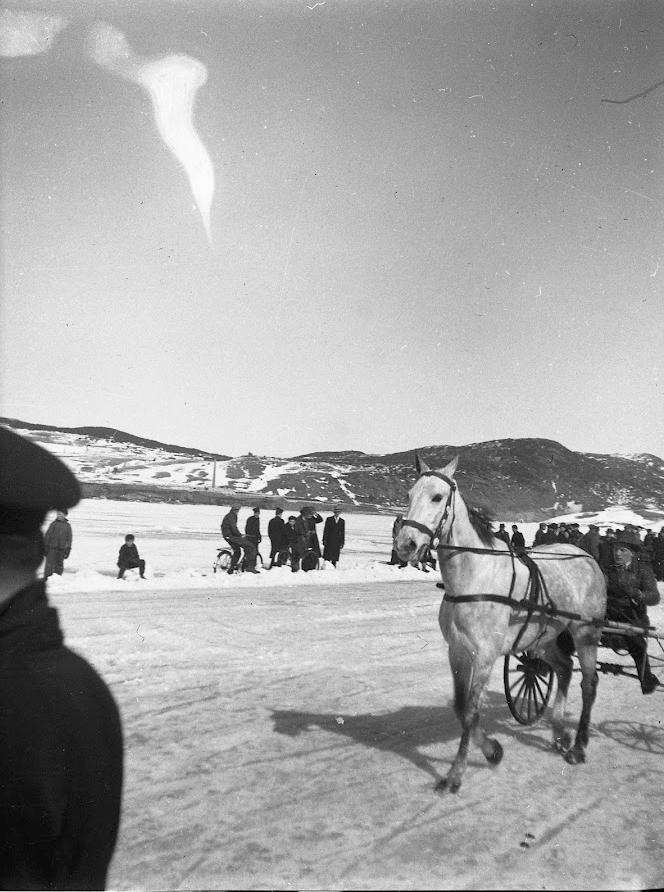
172 83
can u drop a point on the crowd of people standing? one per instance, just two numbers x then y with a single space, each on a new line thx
294 541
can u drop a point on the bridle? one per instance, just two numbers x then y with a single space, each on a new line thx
449 505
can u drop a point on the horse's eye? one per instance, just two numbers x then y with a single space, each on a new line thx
437 498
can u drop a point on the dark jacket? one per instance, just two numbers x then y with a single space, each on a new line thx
590 542
312 520
58 536
517 539
334 536
504 535
61 753
302 535
252 528
276 531
229 527
128 556
630 591
539 537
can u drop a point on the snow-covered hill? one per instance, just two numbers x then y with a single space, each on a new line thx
527 479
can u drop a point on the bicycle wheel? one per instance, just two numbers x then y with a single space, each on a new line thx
223 561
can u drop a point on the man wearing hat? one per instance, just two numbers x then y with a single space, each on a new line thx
631 588
334 536
57 544
61 745
590 541
276 531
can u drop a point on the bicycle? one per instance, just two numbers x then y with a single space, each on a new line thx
225 556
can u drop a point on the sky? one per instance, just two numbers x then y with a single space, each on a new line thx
279 226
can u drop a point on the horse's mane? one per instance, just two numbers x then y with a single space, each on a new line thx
481 522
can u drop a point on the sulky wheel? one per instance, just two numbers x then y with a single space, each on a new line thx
528 685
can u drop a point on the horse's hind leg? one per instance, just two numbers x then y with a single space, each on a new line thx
558 655
470 680
587 656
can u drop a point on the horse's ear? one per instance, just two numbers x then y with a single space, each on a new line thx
420 465
451 467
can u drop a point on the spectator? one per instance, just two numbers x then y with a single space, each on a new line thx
129 558
574 534
539 535
563 534
302 544
252 528
648 550
276 531
396 526
503 534
61 741
658 555
605 548
232 534
57 542
517 540
631 589
590 541
334 536
291 538
312 519
551 534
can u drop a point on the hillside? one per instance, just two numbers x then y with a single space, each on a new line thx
530 479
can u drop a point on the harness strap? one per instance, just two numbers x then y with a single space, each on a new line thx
546 609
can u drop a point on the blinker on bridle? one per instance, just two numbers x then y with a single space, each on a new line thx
433 534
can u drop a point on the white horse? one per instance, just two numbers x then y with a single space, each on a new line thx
487 610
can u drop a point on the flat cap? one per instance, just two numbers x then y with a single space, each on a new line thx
32 482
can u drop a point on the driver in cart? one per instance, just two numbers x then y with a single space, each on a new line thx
631 588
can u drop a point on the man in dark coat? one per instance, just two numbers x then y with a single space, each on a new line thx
631 588
551 534
292 540
129 558
517 541
590 541
231 533
252 528
502 533
539 535
276 531
396 526
61 746
57 542
334 537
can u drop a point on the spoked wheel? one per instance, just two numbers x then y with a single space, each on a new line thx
528 685
223 561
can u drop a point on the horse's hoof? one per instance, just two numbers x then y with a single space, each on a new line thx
562 744
575 757
494 757
446 786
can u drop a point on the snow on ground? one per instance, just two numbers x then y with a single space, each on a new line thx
288 733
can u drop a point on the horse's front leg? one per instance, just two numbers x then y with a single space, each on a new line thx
470 681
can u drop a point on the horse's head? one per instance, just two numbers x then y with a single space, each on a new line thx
430 500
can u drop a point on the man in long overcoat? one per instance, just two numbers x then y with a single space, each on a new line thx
57 542
276 531
61 746
334 536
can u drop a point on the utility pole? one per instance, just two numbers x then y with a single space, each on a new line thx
214 473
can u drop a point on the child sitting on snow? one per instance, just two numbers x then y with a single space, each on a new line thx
129 558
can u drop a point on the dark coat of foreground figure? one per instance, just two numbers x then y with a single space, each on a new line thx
61 751
61 755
